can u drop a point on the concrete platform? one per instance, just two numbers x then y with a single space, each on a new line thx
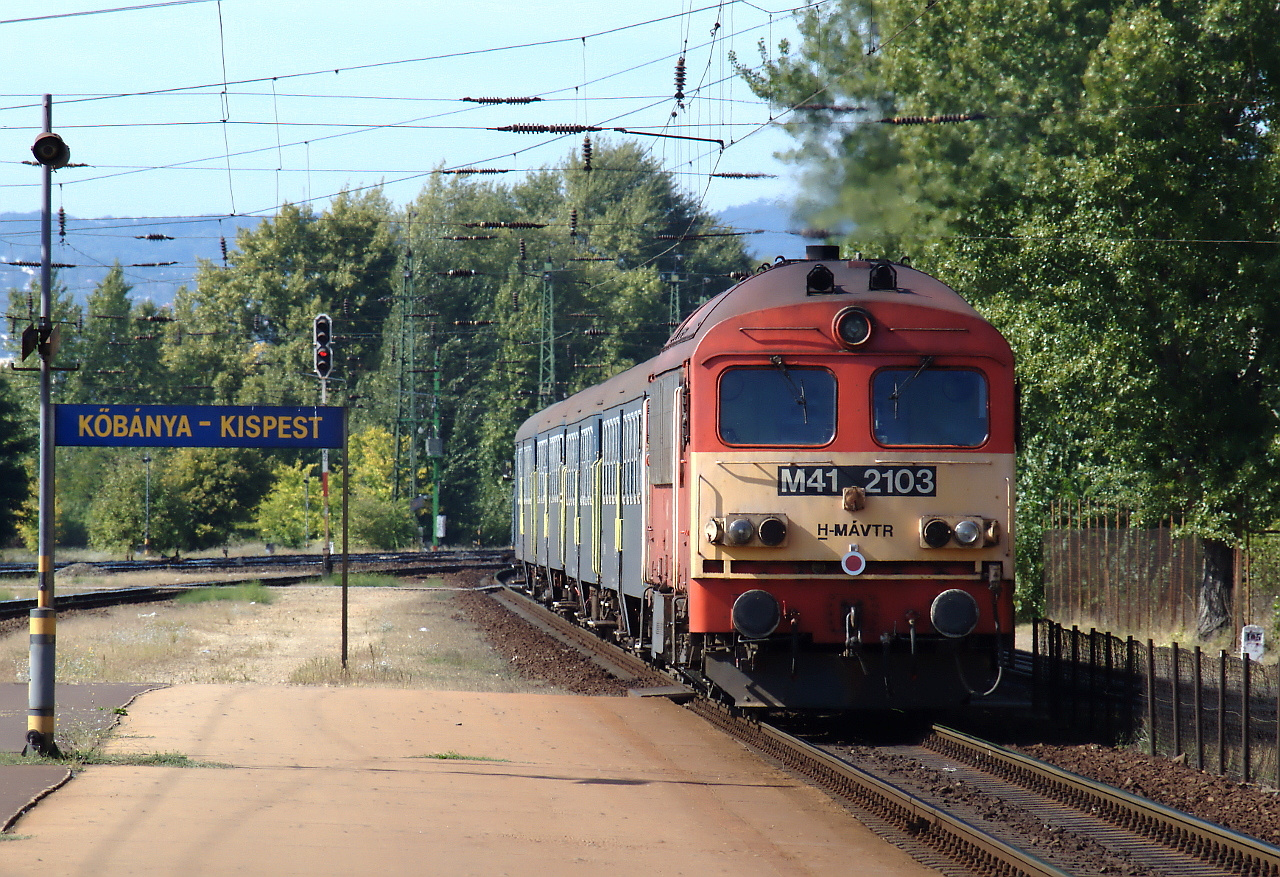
357 780
89 710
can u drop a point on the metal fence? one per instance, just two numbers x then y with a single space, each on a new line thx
1105 568
1220 712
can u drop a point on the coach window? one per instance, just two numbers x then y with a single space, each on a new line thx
930 406
777 405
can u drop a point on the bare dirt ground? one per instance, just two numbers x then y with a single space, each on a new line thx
396 637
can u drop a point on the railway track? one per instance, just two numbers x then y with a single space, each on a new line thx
1052 822
237 570
362 560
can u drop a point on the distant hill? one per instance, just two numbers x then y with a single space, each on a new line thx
770 221
93 245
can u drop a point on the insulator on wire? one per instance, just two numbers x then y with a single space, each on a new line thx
573 223
515 298
473 322
476 170
680 82
586 154
469 237
738 175
223 243
154 236
62 225
594 333
933 120
547 129
504 224
457 272
524 252
502 100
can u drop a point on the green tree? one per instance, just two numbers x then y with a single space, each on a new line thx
17 443
120 347
291 513
471 305
117 513
1104 213
206 496
243 335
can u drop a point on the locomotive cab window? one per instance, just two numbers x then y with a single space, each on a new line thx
928 406
777 405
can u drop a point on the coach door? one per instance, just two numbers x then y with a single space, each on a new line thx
665 439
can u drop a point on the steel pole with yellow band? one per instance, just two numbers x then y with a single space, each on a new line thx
40 718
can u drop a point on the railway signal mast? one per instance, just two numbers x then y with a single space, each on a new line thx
322 338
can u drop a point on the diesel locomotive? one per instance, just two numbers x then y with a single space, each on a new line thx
804 501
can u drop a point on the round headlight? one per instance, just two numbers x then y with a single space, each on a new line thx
740 531
968 533
756 614
936 533
714 531
853 326
954 613
773 531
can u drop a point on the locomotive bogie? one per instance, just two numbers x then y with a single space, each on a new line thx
805 501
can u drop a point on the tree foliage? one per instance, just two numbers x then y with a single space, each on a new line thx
16 443
1107 212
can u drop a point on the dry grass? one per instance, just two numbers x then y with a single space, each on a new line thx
396 637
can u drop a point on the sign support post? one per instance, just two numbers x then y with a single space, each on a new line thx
50 152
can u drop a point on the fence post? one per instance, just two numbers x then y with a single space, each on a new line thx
1093 675
1222 713
1075 674
1035 659
1176 689
1109 682
1131 681
1244 715
1151 697
1199 708
1053 669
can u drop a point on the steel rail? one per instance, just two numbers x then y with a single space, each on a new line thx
1211 843
953 838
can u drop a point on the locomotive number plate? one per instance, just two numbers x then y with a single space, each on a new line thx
875 480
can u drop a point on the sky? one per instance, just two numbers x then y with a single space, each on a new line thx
218 108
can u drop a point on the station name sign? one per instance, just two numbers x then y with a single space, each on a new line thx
198 426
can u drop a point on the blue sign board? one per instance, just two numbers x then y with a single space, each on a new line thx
198 426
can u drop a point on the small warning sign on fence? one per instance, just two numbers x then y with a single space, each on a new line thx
1252 642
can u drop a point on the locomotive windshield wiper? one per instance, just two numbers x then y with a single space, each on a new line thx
797 392
898 388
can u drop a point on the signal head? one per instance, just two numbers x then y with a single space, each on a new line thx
50 150
322 330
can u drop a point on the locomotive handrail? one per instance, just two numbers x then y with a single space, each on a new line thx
880 462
